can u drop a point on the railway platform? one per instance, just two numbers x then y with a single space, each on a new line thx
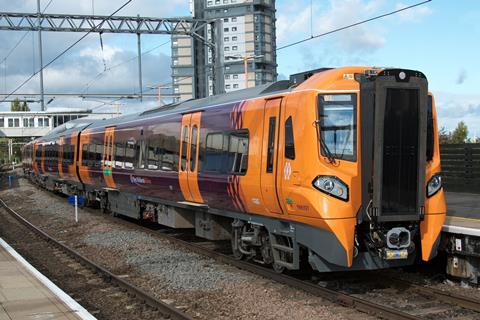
461 236
25 293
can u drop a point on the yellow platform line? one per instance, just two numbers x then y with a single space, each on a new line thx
463 219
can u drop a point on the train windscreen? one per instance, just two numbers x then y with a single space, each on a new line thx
338 125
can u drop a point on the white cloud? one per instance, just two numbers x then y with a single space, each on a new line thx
80 65
107 53
453 108
150 8
294 24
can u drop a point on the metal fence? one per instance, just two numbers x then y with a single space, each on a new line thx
461 167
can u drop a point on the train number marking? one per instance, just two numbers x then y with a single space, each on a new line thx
256 201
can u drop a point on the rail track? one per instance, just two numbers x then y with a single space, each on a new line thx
101 278
423 302
466 307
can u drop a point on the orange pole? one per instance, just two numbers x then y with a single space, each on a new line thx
245 66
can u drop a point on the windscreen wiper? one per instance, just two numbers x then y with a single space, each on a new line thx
323 144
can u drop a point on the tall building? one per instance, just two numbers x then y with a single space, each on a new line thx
248 31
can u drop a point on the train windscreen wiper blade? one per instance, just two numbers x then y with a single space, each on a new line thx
323 144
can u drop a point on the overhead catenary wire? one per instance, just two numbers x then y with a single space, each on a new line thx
147 89
136 93
325 33
352 25
24 36
89 84
291 44
4 60
64 51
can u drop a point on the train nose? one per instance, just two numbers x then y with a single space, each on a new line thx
398 238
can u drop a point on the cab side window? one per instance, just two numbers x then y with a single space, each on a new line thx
289 141
430 131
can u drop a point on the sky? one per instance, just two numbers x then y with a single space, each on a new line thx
440 38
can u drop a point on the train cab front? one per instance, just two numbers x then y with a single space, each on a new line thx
383 156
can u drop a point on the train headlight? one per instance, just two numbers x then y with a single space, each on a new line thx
434 184
332 186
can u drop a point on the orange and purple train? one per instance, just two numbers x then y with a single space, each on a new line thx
339 168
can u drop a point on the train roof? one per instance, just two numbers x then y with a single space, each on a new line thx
192 104
297 81
69 127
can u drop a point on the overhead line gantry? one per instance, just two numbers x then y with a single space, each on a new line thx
195 28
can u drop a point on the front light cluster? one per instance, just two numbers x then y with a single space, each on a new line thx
434 184
332 186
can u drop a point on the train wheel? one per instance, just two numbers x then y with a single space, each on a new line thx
278 268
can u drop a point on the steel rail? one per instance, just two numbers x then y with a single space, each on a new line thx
165 309
316 290
328 294
459 300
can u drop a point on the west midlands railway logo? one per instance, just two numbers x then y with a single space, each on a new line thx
140 180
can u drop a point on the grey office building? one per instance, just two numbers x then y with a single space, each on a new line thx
248 31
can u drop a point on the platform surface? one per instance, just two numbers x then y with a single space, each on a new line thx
26 294
463 213
466 205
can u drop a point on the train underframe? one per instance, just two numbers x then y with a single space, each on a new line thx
280 244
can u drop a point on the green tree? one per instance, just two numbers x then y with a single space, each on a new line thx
444 136
25 106
17 106
460 134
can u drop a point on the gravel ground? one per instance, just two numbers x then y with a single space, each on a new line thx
101 298
179 270
202 287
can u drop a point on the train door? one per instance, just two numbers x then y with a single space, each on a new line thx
189 149
268 175
107 161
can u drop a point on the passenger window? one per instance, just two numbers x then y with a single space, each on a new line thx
238 153
98 155
215 149
184 149
153 154
289 141
271 143
193 148
170 154
130 154
140 150
227 152
85 155
119 155
91 155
